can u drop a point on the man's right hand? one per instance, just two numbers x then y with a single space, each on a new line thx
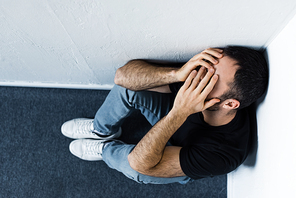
206 58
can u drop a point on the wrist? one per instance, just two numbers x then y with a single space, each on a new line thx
175 75
177 115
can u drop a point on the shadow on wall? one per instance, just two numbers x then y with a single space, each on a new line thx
252 157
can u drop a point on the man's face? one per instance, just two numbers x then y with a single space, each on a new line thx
226 69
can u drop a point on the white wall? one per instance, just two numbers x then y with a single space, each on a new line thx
274 174
78 43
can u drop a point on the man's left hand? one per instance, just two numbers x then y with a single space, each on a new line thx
192 95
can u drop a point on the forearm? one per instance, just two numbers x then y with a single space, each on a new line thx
149 151
139 75
190 99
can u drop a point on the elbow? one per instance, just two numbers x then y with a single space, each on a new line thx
132 162
118 77
121 74
136 166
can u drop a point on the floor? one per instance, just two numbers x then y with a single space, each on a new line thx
36 162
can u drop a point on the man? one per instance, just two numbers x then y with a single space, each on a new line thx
200 126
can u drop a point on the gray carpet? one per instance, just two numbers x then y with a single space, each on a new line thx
36 162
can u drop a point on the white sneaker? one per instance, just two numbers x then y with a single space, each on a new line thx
87 149
81 128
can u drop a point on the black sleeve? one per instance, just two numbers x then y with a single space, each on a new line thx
200 162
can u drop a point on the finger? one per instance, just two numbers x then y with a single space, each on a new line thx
216 49
205 63
210 86
197 78
203 75
207 58
205 55
201 62
189 79
215 52
210 58
218 53
203 83
211 103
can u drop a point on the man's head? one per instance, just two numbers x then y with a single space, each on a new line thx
243 78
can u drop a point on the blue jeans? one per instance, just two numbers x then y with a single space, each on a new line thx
119 104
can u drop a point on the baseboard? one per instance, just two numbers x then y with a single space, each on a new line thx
57 85
229 185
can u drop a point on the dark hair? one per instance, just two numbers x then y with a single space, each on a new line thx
251 78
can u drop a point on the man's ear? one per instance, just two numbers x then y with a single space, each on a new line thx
231 104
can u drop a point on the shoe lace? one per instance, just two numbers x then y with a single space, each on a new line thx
93 148
84 127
